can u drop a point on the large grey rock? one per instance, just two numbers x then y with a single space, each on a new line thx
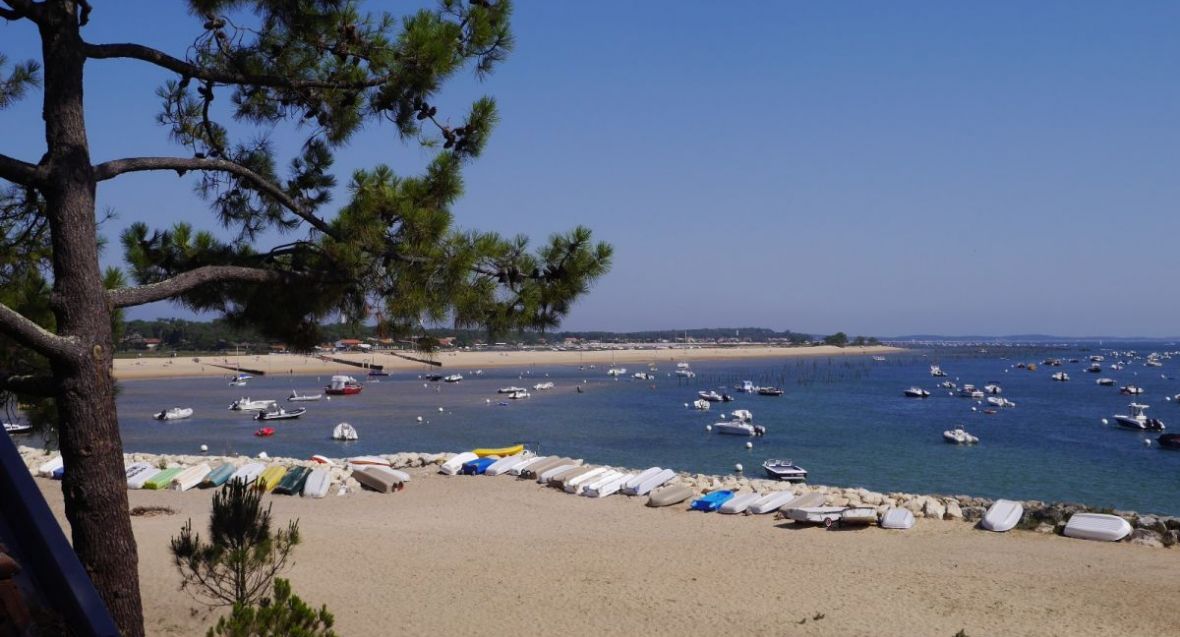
953 510
1170 538
1146 537
1151 523
972 513
934 509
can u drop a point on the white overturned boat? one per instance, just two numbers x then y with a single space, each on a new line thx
317 483
47 469
524 465
558 469
632 485
669 495
1097 526
896 518
739 503
189 477
138 473
577 483
652 483
1002 515
248 473
451 467
916 392
176 413
245 404
344 431
504 464
604 488
771 502
296 397
959 437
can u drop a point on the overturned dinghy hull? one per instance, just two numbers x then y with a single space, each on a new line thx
896 518
292 483
1002 515
803 501
739 503
377 479
648 485
503 465
317 483
455 464
218 476
1097 526
771 502
669 495
190 477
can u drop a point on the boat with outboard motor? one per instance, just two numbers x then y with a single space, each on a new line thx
341 385
916 392
784 470
1138 420
176 413
280 414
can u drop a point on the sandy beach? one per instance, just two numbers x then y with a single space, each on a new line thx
452 555
461 361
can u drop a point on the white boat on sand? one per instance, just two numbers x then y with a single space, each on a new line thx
318 482
651 483
897 518
504 464
739 503
1097 526
190 477
771 502
1002 515
451 467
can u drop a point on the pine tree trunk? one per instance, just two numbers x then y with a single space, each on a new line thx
94 486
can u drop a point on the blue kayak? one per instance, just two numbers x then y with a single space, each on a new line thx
711 501
476 467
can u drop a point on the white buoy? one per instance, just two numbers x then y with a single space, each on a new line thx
1105 422
204 448
327 398
708 427
425 385
440 408
738 467
973 409
487 400
419 418
749 445
723 415
1147 442
686 405
262 454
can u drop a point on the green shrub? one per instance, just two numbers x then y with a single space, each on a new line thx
284 616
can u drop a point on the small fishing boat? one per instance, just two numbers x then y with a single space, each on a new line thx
897 518
455 464
341 385
739 503
317 483
1105 382
746 387
453 378
1097 526
616 371
162 479
510 390
245 404
1002 515
517 395
916 392
936 371
476 467
970 391
709 395
1130 390
264 432
958 436
344 431
1094 368
270 477
1138 420
669 495
296 397
547 385
189 478
784 470
218 476
176 413
770 391
17 428
280 414
292 483
434 378
771 502
735 428
993 388
711 501
499 451
1060 377
643 376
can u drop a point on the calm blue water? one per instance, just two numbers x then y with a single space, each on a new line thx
843 419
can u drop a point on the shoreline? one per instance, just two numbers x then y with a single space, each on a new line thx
155 368
458 554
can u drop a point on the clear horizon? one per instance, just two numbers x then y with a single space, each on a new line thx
911 169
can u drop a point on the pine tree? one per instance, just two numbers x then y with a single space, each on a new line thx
326 68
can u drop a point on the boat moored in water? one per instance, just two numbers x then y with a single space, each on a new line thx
916 392
1138 420
176 413
341 385
959 436
280 414
784 470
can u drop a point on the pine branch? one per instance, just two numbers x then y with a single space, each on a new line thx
20 172
187 69
29 384
33 336
20 9
114 168
186 281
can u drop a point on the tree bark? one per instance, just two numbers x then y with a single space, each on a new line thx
94 485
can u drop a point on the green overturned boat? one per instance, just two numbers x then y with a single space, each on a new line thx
162 479
218 476
292 483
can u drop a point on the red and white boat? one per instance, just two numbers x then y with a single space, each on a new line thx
343 386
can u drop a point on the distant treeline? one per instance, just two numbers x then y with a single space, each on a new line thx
219 335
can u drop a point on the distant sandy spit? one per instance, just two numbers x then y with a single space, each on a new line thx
461 361
480 555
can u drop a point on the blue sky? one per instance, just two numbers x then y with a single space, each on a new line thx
874 168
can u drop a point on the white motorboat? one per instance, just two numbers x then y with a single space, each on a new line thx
510 390
958 436
970 391
296 397
936 371
997 401
746 387
1138 420
743 415
710 396
784 470
993 388
1130 390
916 392
735 428
1097 526
700 404
1105 382
245 404
17 428
280 414
1002 515
517 395
453 378
686 373
344 431
643 376
543 386
1094 368
1060 377
176 413
616 371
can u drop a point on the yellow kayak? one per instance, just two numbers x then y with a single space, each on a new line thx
270 476
502 451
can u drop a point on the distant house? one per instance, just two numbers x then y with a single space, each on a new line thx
447 341
352 344
151 343
135 340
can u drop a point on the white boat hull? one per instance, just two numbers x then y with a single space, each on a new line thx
190 477
771 502
1002 515
897 519
452 466
318 482
1097 526
739 503
248 473
140 472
